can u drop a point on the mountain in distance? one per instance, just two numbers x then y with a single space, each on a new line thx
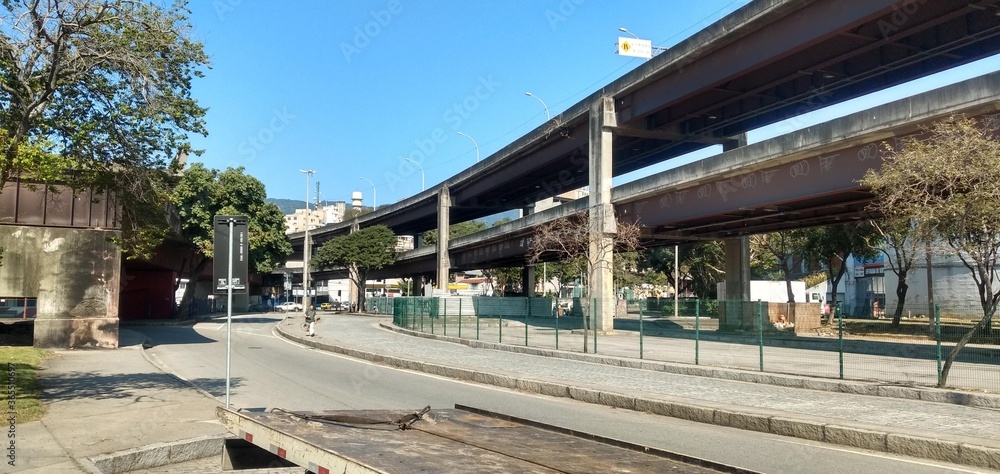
287 206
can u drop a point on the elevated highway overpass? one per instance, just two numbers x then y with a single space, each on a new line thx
768 61
805 178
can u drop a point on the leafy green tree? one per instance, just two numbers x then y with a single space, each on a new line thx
505 280
832 245
370 248
97 94
203 193
782 247
455 231
702 265
947 183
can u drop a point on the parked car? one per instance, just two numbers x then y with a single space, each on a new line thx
289 306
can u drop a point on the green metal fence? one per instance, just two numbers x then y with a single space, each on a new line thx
785 338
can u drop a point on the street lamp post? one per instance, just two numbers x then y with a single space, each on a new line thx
474 143
374 200
411 160
305 247
548 116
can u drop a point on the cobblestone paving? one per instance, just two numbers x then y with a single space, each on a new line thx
363 333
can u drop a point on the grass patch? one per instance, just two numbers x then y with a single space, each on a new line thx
24 361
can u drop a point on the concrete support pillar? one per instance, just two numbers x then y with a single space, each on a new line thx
444 222
353 290
737 270
603 225
528 280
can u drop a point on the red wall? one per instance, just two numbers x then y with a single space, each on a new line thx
146 295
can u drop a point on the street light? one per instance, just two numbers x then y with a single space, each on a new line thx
374 200
623 30
474 143
411 160
548 116
305 247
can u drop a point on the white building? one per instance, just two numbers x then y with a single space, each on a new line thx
327 214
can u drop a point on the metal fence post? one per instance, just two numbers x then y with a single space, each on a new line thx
760 331
527 312
459 318
501 323
840 338
557 323
640 332
477 325
593 323
697 329
937 335
444 314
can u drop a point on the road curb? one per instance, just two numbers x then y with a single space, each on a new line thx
155 455
957 450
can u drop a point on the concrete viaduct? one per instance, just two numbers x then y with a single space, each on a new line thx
766 62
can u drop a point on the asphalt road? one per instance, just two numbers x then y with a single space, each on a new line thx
268 371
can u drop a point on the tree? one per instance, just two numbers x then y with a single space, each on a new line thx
946 181
782 247
203 193
900 249
370 248
569 238
504 280
832 245
96 94
455 231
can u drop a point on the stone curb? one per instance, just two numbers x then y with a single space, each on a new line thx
155 455
928 447
925 394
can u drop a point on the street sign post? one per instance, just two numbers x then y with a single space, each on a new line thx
230 236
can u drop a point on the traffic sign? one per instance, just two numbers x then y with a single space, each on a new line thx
241 253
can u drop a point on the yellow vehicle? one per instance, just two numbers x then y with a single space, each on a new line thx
326 306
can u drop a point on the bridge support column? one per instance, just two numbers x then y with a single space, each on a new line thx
734 314
602 216
444 221
528 280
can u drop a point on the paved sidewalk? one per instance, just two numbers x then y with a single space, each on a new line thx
879 420
108 401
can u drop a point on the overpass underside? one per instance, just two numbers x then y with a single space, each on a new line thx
805 178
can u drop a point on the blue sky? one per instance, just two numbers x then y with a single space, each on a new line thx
350 88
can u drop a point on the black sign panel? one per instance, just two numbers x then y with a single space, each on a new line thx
241 254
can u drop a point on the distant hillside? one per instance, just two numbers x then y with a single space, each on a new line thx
288 206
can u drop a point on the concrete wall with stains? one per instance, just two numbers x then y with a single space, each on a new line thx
75 275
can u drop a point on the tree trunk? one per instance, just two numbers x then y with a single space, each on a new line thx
983 323
901 289
835 283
